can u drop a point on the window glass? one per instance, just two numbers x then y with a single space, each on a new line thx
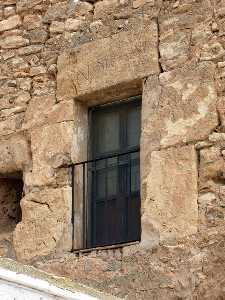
133 127
107 127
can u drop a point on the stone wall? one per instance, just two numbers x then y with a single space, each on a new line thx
171 52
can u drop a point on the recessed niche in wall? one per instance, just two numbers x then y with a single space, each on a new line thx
11 191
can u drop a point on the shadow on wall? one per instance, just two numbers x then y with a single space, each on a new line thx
11 190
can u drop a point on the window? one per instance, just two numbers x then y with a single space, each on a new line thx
114 176
106 188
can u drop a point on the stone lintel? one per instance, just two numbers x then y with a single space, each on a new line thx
109 68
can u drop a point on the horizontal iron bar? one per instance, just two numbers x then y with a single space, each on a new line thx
99 248
105 157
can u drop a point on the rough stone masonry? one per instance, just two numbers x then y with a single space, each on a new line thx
57 59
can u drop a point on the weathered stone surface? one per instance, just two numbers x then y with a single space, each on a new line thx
56 12
15 154
34 71
30 49
57 27
11 124
73 24
81 9
180 107
79 154
211 168
25 5
171 201
9 11
184 30
80 137
10 23
34 237
51 145
11 100
138 3
105 8
44 110
174 48
221 112
11 42
122 60
32 21
37 36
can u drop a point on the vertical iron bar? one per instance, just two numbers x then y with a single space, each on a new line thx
72 217
84 207
106 195
94 205
129 191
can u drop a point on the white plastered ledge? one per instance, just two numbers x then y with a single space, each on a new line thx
18 282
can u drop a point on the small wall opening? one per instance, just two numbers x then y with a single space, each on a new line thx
11 192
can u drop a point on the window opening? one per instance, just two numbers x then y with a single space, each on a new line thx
111 177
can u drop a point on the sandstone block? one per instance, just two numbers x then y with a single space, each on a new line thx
211 166
10 23
25 5
174 48
57 27
24 83
30 49
56 12
212 50
73 24
123 60
185 15
52 145
16 100
43 176
171 202
81 9
11 42
105 8
181 107
11 124
95 26
37 36
138 3
9 11
9 2
15 154
43 110
31 21
217 137
34 71
221 111
32 237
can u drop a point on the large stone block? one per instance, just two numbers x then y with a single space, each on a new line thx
46 224
110 67
171 201
180 106
15 154
51 145
44 110
10 23
11 42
